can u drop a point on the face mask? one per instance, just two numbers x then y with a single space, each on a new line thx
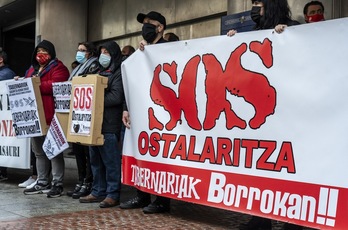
104 60
316 18
43 58
149 32
255 14
80 57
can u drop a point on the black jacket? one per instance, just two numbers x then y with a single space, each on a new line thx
114 94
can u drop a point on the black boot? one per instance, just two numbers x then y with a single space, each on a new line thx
76 189
84 191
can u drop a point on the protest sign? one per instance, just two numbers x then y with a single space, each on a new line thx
55 141
62 95
86 110
26 107
254 123
14 153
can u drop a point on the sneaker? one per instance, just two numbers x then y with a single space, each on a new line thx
38 188
158 206
84 191
3 178
56 191
27 182
76 189
32 184
135 202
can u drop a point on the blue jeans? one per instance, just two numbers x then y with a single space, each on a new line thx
106 168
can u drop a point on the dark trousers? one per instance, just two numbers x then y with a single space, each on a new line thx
159 199
83 164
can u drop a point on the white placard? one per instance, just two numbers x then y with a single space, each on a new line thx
82 109
24 108
62 95
14 152
55 141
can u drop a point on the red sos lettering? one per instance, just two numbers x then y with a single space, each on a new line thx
83 98
220 80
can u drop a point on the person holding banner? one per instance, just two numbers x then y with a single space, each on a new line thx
5 74
106 159
154 25
313 11
269 14
49 69
86 55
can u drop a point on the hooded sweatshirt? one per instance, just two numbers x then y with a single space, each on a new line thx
54 71
114 95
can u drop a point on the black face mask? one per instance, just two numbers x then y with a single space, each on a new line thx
149 32
255 14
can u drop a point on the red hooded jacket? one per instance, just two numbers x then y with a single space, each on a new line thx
56 71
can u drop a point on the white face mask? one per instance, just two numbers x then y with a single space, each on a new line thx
104 60
80 57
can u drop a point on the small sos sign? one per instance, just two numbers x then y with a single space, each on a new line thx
83 97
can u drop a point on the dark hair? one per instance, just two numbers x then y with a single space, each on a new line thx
130 49
276 12
312 3
90 48
76 63
172 37
3 54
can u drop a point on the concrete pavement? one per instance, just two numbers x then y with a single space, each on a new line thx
19 211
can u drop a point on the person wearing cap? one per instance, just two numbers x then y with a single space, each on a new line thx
153 28
49 69
313 11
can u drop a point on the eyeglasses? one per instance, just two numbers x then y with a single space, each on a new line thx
85 51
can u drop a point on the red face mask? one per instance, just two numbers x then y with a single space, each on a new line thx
43 58
316 18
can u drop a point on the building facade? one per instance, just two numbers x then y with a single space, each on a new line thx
66 23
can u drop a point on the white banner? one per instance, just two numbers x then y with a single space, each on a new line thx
255 123
14 153
55 141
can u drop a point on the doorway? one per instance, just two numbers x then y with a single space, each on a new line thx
19 44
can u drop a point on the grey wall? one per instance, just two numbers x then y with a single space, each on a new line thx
64 23
187 18
67 22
